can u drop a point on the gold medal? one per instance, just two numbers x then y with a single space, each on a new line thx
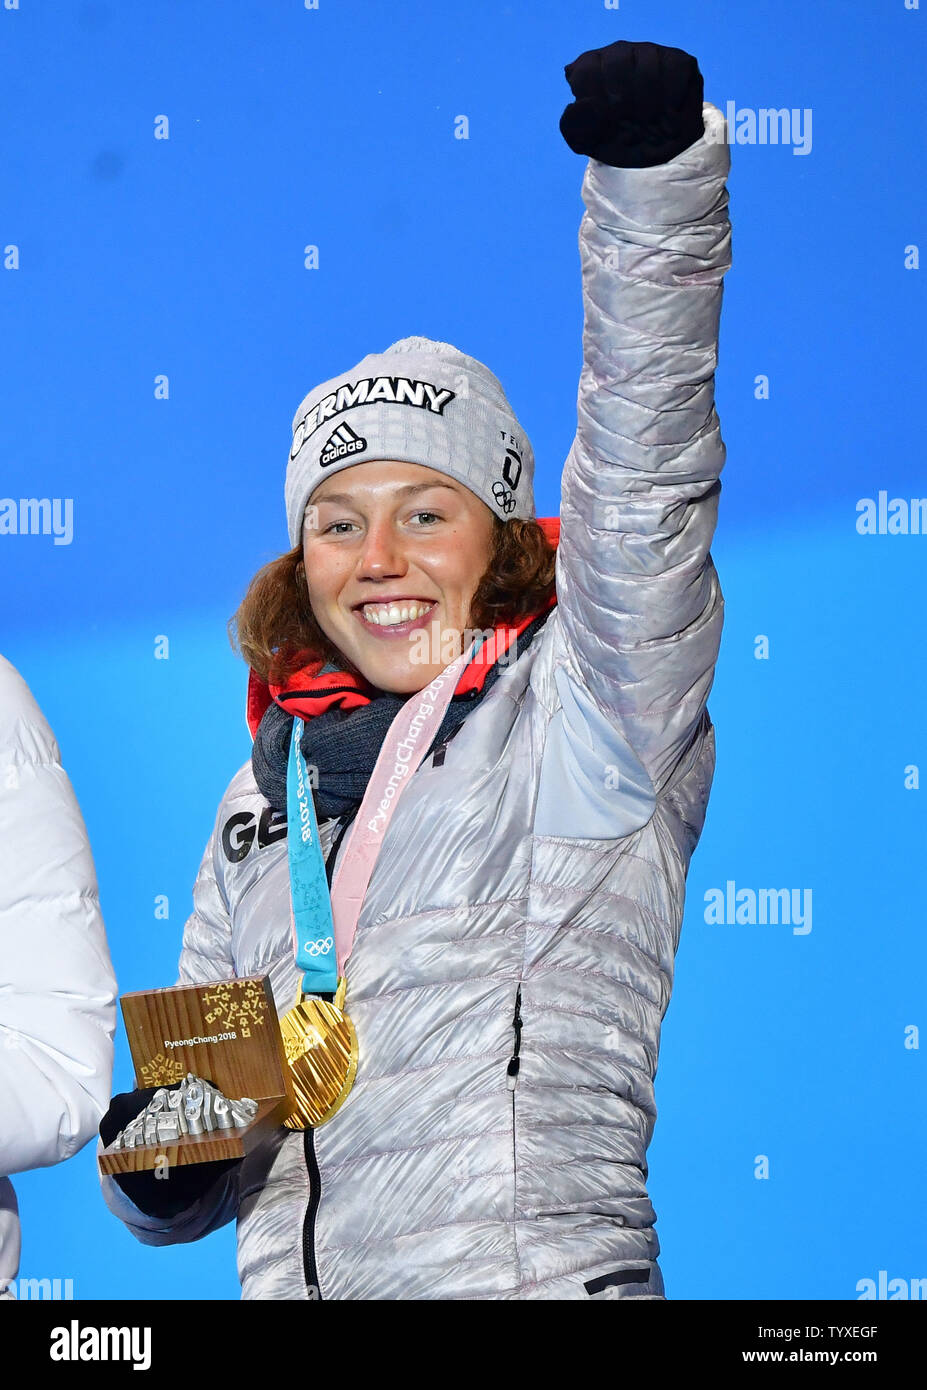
321 1051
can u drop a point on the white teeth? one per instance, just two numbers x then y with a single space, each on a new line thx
387 614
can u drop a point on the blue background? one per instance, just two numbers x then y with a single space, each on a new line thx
185 256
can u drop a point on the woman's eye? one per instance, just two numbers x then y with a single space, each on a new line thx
334 527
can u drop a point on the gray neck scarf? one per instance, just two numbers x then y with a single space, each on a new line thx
343 745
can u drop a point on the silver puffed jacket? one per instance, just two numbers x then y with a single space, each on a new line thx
529 891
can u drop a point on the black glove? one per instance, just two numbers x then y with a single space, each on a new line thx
637 104
164 1196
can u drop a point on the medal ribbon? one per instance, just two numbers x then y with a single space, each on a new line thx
324 924
310 906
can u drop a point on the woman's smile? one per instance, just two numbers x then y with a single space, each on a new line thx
388 619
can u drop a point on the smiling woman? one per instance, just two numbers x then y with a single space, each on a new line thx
388 534
488 905
381 566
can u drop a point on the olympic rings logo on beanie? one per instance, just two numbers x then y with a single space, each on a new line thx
441 408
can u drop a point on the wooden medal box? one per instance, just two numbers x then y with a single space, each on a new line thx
226 1033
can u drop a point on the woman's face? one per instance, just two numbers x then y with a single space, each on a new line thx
393 555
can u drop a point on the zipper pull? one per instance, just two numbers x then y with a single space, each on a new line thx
512 1069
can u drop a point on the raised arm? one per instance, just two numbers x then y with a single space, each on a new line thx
639 600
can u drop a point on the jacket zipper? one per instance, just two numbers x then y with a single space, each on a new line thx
511 1082
315 1188
514 1060
310 1268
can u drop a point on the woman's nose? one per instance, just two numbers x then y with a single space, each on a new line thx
381 553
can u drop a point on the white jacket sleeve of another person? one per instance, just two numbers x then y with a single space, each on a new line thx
57 987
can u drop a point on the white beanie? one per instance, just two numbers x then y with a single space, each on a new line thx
423 402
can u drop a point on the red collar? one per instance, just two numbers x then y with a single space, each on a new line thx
307 692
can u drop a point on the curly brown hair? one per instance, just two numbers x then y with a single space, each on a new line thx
276 632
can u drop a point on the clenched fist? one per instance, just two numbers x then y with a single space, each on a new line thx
637 104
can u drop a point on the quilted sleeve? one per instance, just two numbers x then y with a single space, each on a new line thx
205 955
640 604
57 987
